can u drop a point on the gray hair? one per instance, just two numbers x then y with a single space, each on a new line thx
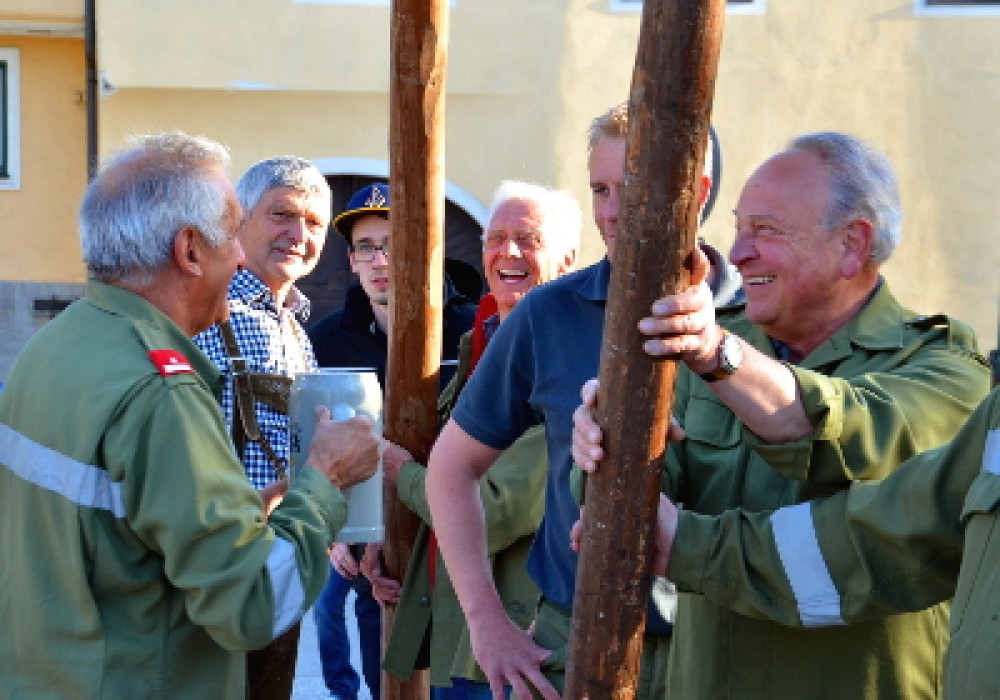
862 185
283 171
133 209
562 217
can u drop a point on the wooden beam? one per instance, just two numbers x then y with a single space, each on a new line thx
669 113
419 31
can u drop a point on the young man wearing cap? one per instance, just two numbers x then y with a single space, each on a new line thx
356 336
286 201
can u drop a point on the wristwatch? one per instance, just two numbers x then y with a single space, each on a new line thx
730 358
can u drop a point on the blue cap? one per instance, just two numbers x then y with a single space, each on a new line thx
373 199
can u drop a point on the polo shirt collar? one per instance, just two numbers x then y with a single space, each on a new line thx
594 283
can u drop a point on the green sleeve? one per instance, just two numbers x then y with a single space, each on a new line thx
872 550
189 500
867 424
512 491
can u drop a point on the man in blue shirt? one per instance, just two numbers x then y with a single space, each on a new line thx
532 374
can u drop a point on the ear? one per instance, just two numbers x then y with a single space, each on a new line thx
856 240
188 251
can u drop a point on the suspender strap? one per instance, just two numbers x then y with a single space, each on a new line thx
244 417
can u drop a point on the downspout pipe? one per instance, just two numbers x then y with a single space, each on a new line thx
93 90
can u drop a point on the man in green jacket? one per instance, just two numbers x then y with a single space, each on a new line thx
822 379
925 534
532 236
138 562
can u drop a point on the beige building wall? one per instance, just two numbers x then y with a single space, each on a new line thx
524 79
923 89
38 240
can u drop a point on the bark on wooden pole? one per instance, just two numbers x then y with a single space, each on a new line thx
669 111
419 31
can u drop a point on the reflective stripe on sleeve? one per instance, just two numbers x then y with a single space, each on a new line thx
812 586
991 455
289 596
82 484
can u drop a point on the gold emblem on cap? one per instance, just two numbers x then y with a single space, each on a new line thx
375 199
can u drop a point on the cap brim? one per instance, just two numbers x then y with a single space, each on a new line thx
345 221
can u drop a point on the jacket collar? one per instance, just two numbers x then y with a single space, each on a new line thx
878 326
152 323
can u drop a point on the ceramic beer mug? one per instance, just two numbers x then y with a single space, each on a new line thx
347 393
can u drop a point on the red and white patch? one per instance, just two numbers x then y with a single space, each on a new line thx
170 362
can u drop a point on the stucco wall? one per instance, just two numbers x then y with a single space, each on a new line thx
524 80
38 240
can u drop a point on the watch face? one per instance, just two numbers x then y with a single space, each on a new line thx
730 354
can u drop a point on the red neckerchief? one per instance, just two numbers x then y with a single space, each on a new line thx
487 308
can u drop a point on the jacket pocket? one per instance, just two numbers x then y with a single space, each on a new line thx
981 551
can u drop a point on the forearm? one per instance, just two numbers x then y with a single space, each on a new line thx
764 395
456 464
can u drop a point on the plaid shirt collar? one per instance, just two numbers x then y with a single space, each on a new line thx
248 288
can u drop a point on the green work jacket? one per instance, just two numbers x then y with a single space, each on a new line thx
887 385
928 532
137 561
429 626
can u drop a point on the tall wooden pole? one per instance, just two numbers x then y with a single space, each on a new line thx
419 31
669 110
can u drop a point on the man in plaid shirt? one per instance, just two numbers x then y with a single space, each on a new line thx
286 204
286 201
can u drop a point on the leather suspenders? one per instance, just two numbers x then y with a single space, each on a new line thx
269 388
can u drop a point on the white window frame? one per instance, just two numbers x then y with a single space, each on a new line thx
756 7
10 103
922 7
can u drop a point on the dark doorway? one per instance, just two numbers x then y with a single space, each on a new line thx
327 285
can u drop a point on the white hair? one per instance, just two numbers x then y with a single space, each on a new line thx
562 218
862 184
283 171
132 211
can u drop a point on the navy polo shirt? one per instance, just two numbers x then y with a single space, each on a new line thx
531 373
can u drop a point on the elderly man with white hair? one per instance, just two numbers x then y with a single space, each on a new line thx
532 237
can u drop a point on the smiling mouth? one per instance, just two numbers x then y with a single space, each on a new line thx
758 279
512 275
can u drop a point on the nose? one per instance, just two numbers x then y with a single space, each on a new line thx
608 205
510 248
742 249
297 228
380 251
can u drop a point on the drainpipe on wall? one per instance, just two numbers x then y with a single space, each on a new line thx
93 91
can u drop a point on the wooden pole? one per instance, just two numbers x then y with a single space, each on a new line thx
419 31
669 111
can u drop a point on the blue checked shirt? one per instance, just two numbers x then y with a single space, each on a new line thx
271 340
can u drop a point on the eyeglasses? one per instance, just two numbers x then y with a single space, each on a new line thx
524 240
365 251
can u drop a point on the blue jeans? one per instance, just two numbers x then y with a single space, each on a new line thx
334 645
464 689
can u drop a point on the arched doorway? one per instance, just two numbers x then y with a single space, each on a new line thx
326 286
